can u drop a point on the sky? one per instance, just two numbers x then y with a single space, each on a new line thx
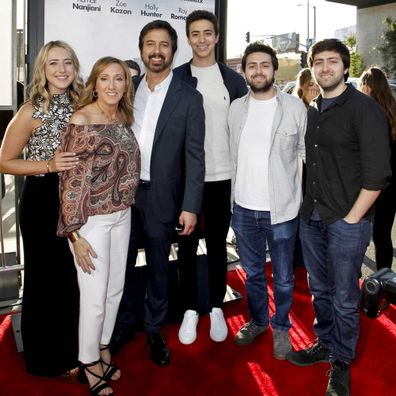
272 17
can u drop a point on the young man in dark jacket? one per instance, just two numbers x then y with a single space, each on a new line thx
348 164
219 86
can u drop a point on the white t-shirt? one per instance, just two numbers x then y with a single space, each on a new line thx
216 104
251 185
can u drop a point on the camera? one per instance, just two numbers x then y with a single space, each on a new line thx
378 291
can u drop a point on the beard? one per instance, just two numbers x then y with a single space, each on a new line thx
157 67
331 87
262 87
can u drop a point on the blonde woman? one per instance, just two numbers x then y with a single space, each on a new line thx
50 297
95 214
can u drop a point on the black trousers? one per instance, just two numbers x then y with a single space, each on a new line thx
215 220
156 237
385 209
50 305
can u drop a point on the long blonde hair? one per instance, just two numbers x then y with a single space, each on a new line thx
38 92
87 96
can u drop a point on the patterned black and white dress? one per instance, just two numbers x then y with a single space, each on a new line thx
50 297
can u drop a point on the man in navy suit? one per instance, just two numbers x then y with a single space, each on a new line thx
170 127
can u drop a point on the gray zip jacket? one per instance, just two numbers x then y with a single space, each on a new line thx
287 147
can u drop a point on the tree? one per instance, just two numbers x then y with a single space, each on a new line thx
356 66
388 47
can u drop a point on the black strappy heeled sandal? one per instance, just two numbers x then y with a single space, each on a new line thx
99 385
111 368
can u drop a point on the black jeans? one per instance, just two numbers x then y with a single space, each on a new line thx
215 217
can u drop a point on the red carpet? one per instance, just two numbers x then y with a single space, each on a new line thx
206 368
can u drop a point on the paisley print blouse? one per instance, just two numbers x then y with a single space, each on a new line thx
46 137
106 177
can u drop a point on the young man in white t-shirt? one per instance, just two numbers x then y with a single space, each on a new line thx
219 86
267 130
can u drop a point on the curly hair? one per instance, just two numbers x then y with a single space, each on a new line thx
126 103
259 47
38 92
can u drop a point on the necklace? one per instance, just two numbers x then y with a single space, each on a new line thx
113 119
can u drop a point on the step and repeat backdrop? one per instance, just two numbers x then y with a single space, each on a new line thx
96 28
6 64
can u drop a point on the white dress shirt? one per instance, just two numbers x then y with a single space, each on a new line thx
147 108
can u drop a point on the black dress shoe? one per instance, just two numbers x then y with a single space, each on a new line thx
159 351
118 340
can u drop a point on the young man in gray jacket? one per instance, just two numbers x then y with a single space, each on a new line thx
267 130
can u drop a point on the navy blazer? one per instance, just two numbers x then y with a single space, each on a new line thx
177 169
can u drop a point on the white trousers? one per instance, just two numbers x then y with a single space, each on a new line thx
101 290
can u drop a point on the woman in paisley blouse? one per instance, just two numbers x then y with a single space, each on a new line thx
95 215
50 296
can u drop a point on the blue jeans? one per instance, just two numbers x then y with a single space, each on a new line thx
253 229
333 255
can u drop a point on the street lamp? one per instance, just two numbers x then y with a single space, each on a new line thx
309 41
308 37
314 15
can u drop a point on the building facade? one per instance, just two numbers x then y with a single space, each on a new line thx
369 26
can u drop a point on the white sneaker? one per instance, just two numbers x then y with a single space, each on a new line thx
218 325
188 328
